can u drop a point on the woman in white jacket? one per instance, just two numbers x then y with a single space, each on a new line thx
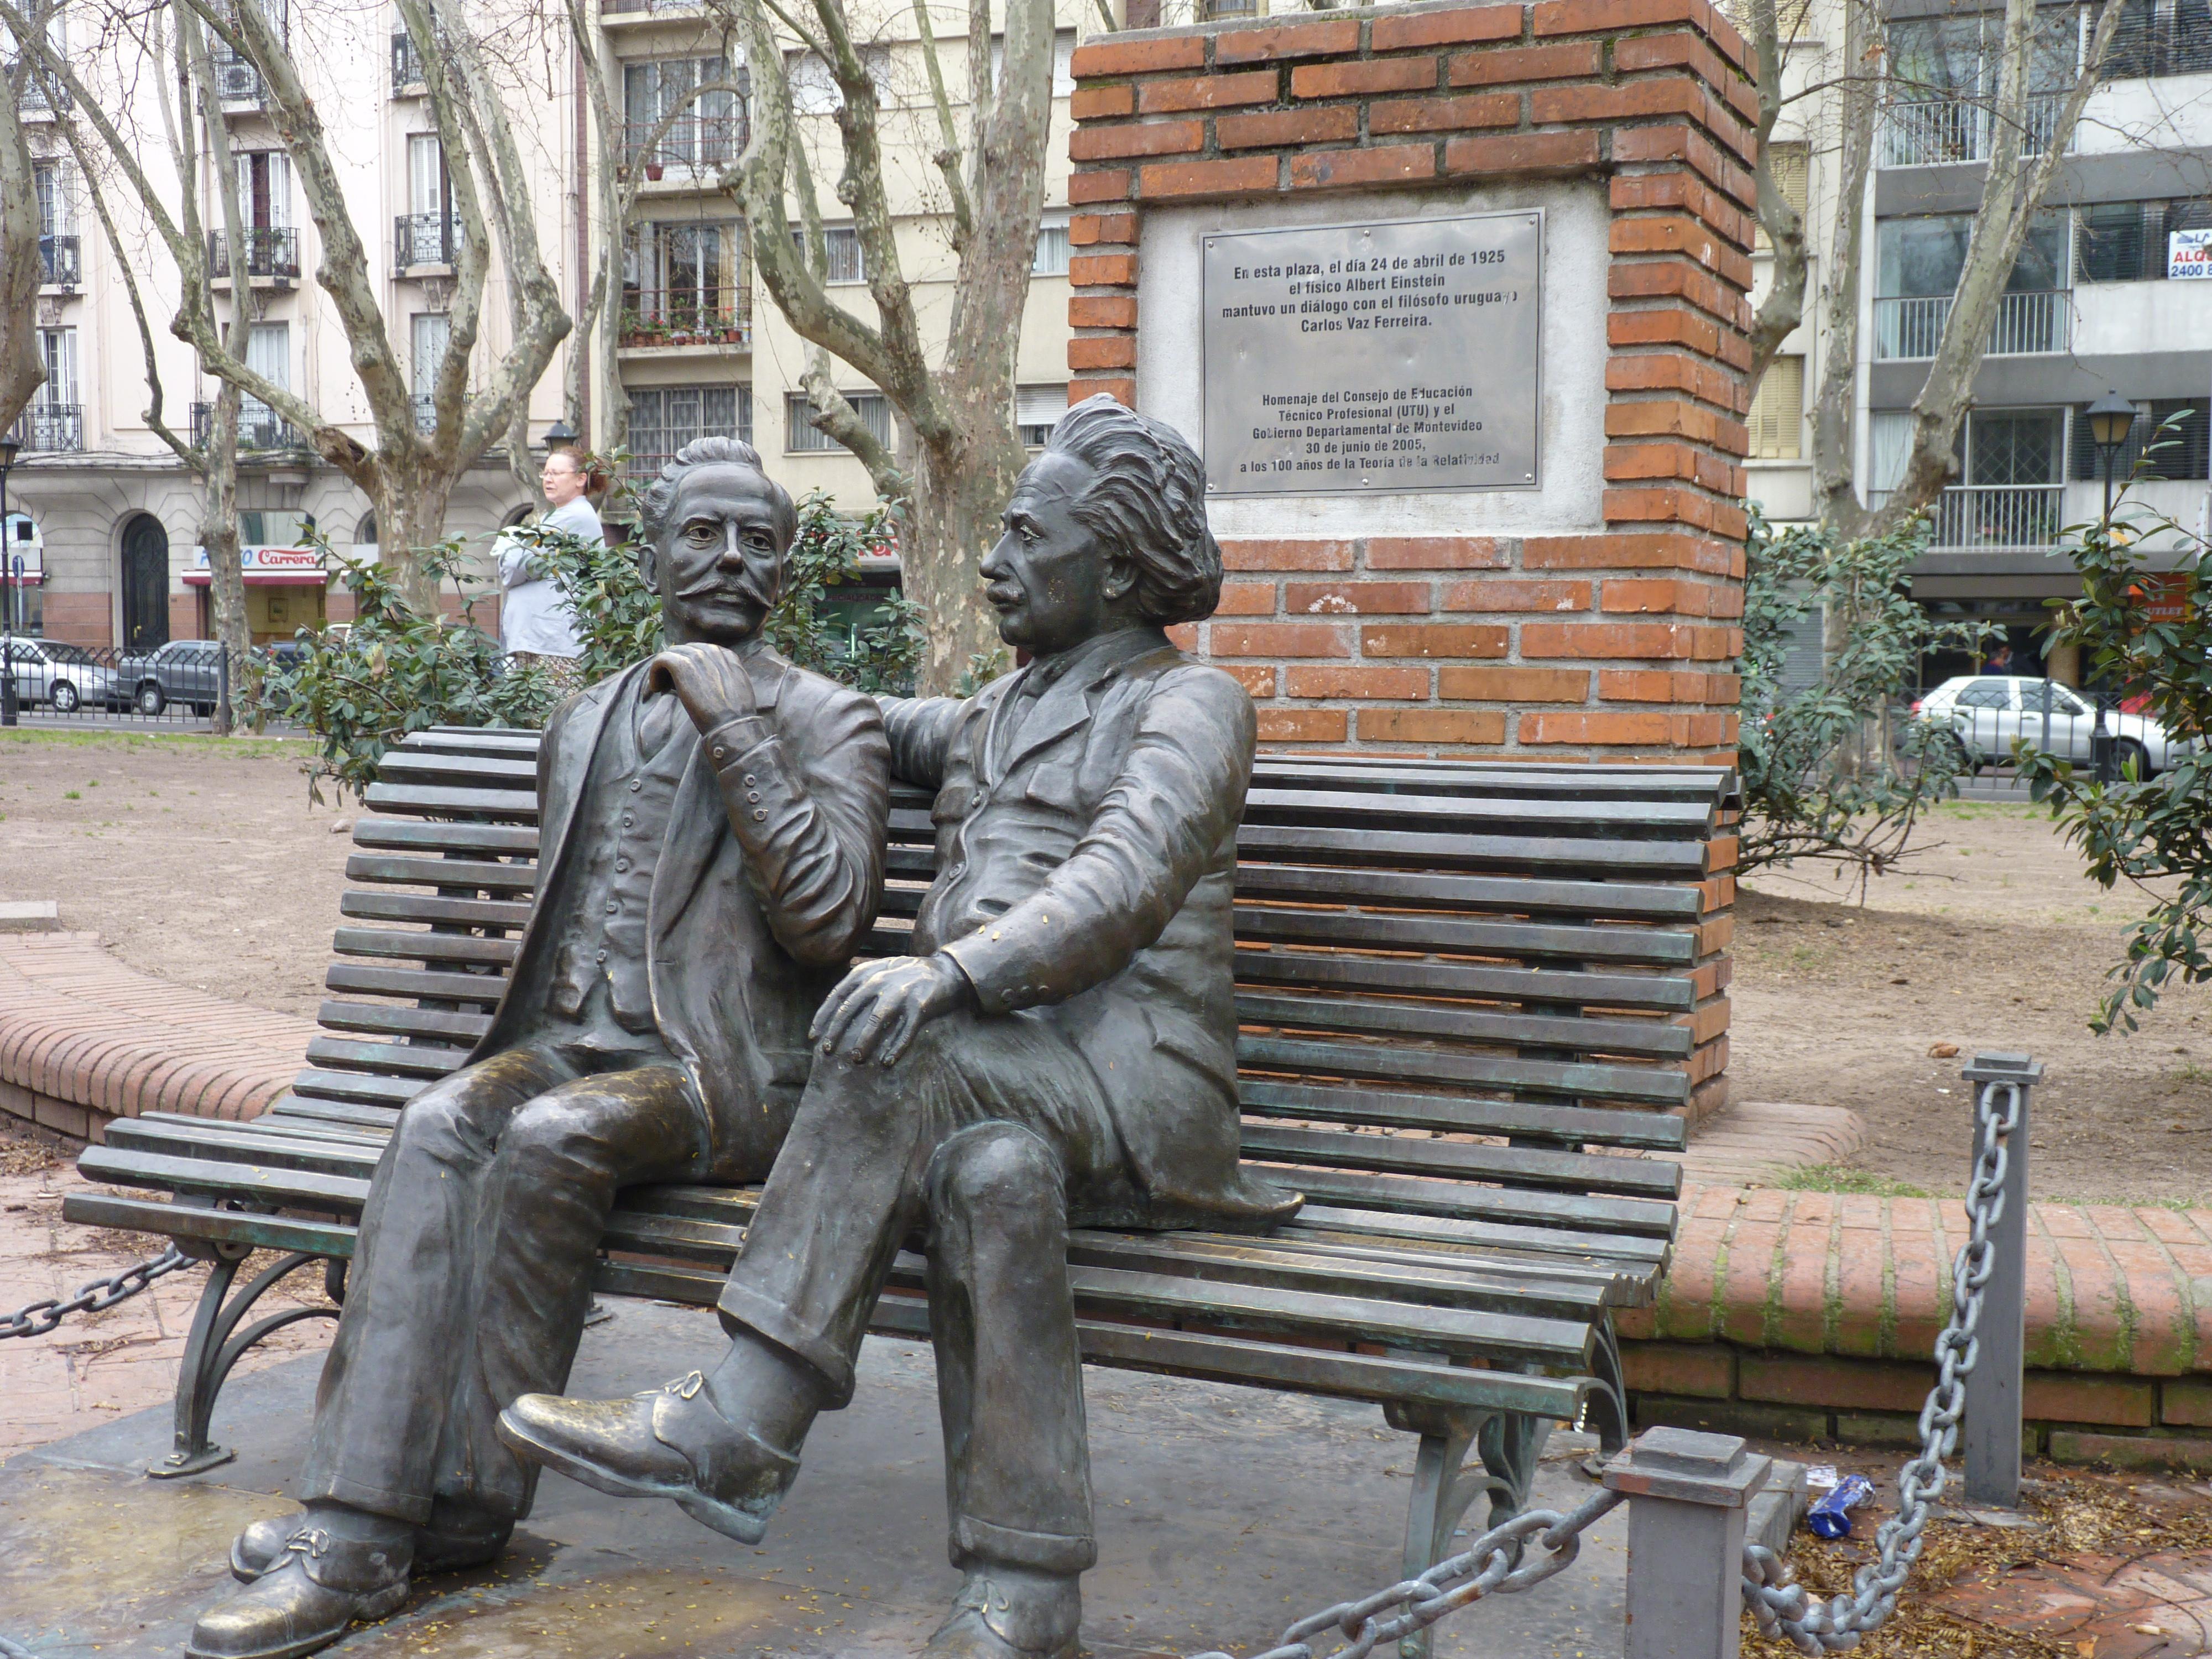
536 622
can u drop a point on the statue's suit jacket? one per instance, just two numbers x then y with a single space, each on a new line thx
1086 863
770 875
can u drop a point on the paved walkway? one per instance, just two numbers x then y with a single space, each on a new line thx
83 1038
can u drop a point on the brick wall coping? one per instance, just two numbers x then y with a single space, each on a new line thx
84 1039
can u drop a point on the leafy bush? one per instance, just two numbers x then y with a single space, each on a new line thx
2155 833
393 671
1829 772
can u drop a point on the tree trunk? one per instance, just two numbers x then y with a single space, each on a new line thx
22 270
1835 496
219 535
1783 307
946 528
411 519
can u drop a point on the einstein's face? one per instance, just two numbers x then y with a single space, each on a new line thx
1051 579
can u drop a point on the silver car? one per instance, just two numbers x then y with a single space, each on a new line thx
1989 712
62 675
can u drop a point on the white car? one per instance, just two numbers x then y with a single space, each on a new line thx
62 675
1987 712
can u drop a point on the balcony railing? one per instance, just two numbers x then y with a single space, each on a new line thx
49 428
662 316
259 426
237 81
57 255
2034 320
615 8
425 238
691 141
35 101
1924 132
406 65
1995 517
269 252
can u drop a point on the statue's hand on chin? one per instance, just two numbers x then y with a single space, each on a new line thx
711 682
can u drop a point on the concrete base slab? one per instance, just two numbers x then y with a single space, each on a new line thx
30 916
1224 1513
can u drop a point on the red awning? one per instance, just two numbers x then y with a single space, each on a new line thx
267 578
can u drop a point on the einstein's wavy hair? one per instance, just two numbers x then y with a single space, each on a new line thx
654 506
1148 497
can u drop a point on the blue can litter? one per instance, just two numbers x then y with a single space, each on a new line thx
1831 1517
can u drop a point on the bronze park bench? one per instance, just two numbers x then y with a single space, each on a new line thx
1467 993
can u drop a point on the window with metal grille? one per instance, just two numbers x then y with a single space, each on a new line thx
1777 411
1037 409
2133 241
803 437
662 419
1790 164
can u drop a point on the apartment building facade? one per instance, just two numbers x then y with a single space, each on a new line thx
104 516
2111 293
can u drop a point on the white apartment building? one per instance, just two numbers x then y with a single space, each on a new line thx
107 519
2111 293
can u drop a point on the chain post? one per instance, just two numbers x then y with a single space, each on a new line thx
1688 1495
1992 1428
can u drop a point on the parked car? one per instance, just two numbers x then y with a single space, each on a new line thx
1987 712
183 670
62 675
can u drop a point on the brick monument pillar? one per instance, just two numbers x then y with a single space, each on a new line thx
1594 619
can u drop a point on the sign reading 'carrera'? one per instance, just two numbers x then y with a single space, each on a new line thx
1378 357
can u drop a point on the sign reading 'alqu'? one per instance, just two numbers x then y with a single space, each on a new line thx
1381 358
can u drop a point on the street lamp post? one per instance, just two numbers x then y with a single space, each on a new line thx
2110 418
9 583
560 436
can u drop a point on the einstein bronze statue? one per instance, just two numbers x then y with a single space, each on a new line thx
1059 1050
713 830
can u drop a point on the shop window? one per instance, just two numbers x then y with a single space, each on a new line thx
1777 411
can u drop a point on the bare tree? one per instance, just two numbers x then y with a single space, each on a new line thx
410 474
957 452
22 268
1772 24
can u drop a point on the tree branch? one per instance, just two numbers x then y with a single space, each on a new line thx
947 156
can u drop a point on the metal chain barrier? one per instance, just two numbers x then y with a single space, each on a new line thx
43 1317
1486 1567
1777 1601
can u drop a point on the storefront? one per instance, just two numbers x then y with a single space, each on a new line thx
23 581
286 590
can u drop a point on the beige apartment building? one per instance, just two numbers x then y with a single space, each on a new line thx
105 517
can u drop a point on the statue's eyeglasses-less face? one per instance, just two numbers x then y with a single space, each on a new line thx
1047 578
721 560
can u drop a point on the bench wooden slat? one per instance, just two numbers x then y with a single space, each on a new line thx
437 909
1570 1125
425 799
385 1018
481 988
1412 889
1508 1027
1479 814
1304 844
1420 932
405 834
1474 981
482 875
408 764
1520 1205
357 1088
1401 1063
1462 1160
422 946
408 1060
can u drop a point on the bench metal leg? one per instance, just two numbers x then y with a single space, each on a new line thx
1506 1446
1606 1410
215 1343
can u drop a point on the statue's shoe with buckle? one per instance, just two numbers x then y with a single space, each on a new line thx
1011 1616
439 1547
670 1443
321 1587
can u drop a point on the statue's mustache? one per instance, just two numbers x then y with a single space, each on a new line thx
741 588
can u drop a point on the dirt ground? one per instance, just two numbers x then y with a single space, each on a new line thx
1990 938
203 862
196 858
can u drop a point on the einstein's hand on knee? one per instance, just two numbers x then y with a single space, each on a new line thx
877 1007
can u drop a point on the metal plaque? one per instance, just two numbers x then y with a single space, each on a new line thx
1388 358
